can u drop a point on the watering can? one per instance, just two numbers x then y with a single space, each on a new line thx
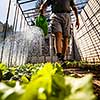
42 23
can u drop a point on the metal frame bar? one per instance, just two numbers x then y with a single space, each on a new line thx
5 31
14 30
16 21
29 12
29 9
12 44
21 11
81 3
28 1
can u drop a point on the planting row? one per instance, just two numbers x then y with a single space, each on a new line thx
43 82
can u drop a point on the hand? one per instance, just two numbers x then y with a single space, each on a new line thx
77 24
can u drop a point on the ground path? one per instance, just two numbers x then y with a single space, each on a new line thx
80 72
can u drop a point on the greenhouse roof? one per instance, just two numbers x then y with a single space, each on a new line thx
30 10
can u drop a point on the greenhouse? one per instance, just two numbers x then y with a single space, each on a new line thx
29 67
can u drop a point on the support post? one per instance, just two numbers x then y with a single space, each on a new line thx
5 32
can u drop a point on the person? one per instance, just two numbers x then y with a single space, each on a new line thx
61 22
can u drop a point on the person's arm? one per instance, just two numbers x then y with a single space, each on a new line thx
75 12
76 15
43 7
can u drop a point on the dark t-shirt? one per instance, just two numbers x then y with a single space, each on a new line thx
61 5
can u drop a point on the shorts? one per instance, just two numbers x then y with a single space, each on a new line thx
61 22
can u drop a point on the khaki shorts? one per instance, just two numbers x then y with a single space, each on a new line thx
61 22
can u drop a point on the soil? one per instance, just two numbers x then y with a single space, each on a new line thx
81 71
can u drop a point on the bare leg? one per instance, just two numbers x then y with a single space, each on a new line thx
59 42
65 46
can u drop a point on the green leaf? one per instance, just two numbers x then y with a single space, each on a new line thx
33 88
10 93
24 79
47 69
3 67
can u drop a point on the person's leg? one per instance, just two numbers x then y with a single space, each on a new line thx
65 46
66 31
59 46
59 42
57 30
